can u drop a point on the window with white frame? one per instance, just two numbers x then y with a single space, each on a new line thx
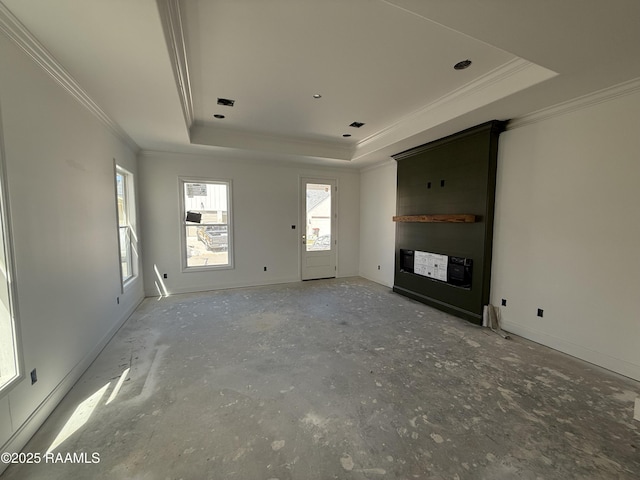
206 224
10 368
126 216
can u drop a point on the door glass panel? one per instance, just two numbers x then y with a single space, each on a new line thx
318 226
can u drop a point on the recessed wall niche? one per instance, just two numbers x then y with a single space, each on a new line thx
444 219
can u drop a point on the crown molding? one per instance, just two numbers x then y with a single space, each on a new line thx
207 134
231 156
23 38
172 25
387 162
579 103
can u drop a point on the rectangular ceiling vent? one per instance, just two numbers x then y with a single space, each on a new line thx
356 124
226 102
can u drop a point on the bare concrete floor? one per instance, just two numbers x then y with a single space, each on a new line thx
335 379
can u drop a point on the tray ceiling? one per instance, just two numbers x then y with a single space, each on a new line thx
158 68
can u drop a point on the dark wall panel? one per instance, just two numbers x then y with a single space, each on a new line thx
453 175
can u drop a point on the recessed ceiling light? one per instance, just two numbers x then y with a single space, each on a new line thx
346 135
356 124
217 115
462 65
317 95
227 102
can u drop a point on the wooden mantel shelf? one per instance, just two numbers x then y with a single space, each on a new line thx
458 218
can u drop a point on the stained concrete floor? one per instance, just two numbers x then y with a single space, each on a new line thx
334 379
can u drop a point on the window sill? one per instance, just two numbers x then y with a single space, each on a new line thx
206 268
10 385
128 282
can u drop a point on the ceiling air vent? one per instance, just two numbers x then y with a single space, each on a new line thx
226 102
356 124
462 65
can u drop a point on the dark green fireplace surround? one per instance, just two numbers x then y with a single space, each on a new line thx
451 176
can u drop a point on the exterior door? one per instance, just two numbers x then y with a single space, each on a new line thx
318 235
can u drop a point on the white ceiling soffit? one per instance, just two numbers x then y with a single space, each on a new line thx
371 61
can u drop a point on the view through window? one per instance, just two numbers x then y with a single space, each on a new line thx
318 217
123 187
9 367
206 223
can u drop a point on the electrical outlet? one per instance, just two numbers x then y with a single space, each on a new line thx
164 275
265 269
378 267
540 312
504 302
34 376
293 227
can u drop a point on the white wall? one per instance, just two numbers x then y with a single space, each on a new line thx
377 230
59 166
566 235
567 232
266 203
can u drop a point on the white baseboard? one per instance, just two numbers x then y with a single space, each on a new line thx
382 280
616 365
243 284
210 288
24 433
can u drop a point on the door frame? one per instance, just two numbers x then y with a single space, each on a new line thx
303 181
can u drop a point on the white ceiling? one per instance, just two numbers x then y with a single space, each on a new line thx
157 68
